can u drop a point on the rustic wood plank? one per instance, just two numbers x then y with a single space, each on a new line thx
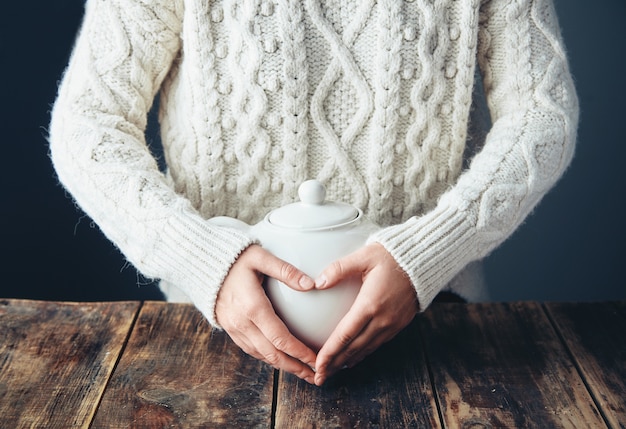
177 372
503 365
390 389
55 359
595 333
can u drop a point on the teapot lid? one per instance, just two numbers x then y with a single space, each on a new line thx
313 212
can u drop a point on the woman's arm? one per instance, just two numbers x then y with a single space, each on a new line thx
534 110
123 53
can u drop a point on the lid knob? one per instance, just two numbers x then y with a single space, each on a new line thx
312 212
312 192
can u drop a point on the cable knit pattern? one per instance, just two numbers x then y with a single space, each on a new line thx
339 162
295 105
256 96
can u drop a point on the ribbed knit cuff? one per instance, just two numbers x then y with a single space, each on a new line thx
431 249
196 257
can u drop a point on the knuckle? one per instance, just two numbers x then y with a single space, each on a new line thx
288 271
345 339
302 373
386 322
336 268
253 314
280 342
272 358
350 352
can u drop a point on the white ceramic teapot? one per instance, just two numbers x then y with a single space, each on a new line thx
310 234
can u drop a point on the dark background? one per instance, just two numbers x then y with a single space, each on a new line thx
570 249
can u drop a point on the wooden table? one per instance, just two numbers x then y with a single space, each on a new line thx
152 364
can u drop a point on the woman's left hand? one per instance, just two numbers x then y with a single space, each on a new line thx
385 305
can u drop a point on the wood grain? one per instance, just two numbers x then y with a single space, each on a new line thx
55 359
503 365
120 365
177 372
596 335
390 389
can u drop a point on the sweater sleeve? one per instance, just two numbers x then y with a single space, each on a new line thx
534 110
97 144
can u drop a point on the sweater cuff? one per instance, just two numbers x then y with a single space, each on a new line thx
196 257
431 249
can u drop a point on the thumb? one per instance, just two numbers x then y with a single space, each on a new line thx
351 265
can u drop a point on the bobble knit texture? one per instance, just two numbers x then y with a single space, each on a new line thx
373 98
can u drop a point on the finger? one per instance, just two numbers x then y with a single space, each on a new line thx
275 332
332 355
351 265
249 319
277 352
250 338
363 346
284 362
275 267
368 341
257 346
372 336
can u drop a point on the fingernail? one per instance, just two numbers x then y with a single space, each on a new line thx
320 282
306 282
319 380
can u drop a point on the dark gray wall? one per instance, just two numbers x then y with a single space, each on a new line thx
569 249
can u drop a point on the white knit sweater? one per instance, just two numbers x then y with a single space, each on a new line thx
373 98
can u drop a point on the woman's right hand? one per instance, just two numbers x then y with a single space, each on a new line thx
246 314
